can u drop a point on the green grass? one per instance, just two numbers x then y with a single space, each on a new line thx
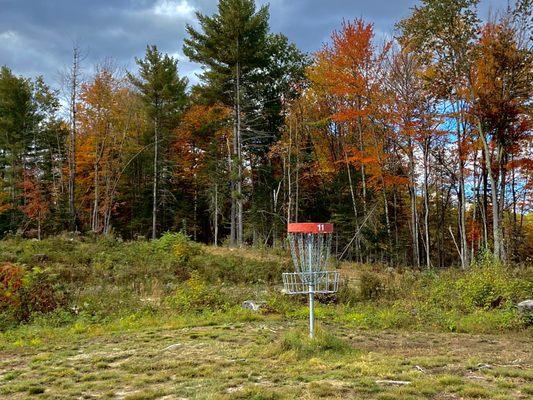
229 357
90 318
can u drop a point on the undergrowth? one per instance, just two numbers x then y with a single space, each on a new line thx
84 281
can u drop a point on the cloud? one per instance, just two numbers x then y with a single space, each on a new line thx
172 9
8 36
36 36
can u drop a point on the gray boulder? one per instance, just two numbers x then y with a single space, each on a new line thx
252 305
525 307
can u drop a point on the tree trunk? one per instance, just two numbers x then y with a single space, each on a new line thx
426 203
73 88
414 211
231 168
496 231
154 181
239 162
352 193
484 202
216 215
94 222
461 209
502 161
288 185
361 148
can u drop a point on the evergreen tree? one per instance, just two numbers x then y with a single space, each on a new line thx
252 72
30 139
231 46
163 93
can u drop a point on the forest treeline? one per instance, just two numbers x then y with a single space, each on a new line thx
417 148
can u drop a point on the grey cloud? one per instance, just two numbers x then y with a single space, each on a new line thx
36 36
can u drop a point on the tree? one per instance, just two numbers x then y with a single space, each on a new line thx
36 204
17 120
501 92
30 139
108 119
272 88
199 151
231 45
163 92
443 33
71 80
350 73
415 116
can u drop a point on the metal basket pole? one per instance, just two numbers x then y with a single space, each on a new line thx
311 288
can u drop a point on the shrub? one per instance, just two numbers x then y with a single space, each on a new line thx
183 247
11 280
195 295
235 269
372 285
23 293
101 303
347 294
486 286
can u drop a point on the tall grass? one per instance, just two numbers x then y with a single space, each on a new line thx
99 280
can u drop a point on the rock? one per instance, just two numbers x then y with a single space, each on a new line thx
251 305
172 347
525 307
419 368
390 382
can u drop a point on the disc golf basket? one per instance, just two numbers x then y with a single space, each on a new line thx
310 248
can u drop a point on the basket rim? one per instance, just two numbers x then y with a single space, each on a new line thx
310 227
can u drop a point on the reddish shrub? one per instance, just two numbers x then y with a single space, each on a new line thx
11 282
23 293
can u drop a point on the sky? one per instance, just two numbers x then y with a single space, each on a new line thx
37 36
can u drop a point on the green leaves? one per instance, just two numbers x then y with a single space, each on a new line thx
236 35
159 84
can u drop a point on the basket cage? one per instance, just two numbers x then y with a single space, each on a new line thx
310 253
307 282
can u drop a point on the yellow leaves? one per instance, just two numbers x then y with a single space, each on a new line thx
347 111
111 120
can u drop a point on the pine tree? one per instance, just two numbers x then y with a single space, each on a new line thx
163 93
231 46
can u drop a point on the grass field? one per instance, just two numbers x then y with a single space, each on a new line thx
262 358
90 318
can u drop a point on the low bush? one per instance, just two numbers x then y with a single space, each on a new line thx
25 292
480 299
195 295
372 285
485 286
11 281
